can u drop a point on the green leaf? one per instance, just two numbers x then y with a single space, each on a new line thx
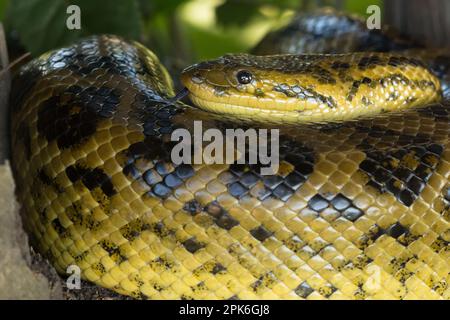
241 12
234 12
41 24
120 17
360 6
3 7
155 7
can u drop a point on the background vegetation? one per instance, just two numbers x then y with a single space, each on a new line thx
181 30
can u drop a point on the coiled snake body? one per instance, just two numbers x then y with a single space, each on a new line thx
357 209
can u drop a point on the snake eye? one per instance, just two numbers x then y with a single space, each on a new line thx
244 77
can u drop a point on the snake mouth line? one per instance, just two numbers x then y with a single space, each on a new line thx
267 115
262 111
244 112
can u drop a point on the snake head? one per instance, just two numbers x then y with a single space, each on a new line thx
237 84
223 77
259 87
309 87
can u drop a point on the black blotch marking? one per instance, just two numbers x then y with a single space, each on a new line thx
303 93
130 170
193 207
331 127
89 59
339 202
172 181
282 192
369 62
327 291
398 61
91 178
99 268
75 214
58 227
192 245
249 179
407 238
113 251
403 172
395 79
361 261
371 236
355 87
440 244
161 190
265 281
42 175
161 264
237 190
153 112
246 178
185 171
73 115
337 65
221 217
322 75
163 178
161 230
294 243
79 258
45 179
398 267
396 230
352 213
318 203
446 203
261 233
133 229
303 290
151 148
218 268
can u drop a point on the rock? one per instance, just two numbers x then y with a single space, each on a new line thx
19 277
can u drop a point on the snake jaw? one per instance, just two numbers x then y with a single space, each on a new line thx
214 87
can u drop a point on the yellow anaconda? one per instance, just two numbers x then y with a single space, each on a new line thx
326 30
357 209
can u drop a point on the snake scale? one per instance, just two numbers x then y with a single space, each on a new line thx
358 209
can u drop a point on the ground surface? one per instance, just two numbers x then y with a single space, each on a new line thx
17 278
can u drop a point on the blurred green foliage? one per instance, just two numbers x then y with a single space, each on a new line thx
181 30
